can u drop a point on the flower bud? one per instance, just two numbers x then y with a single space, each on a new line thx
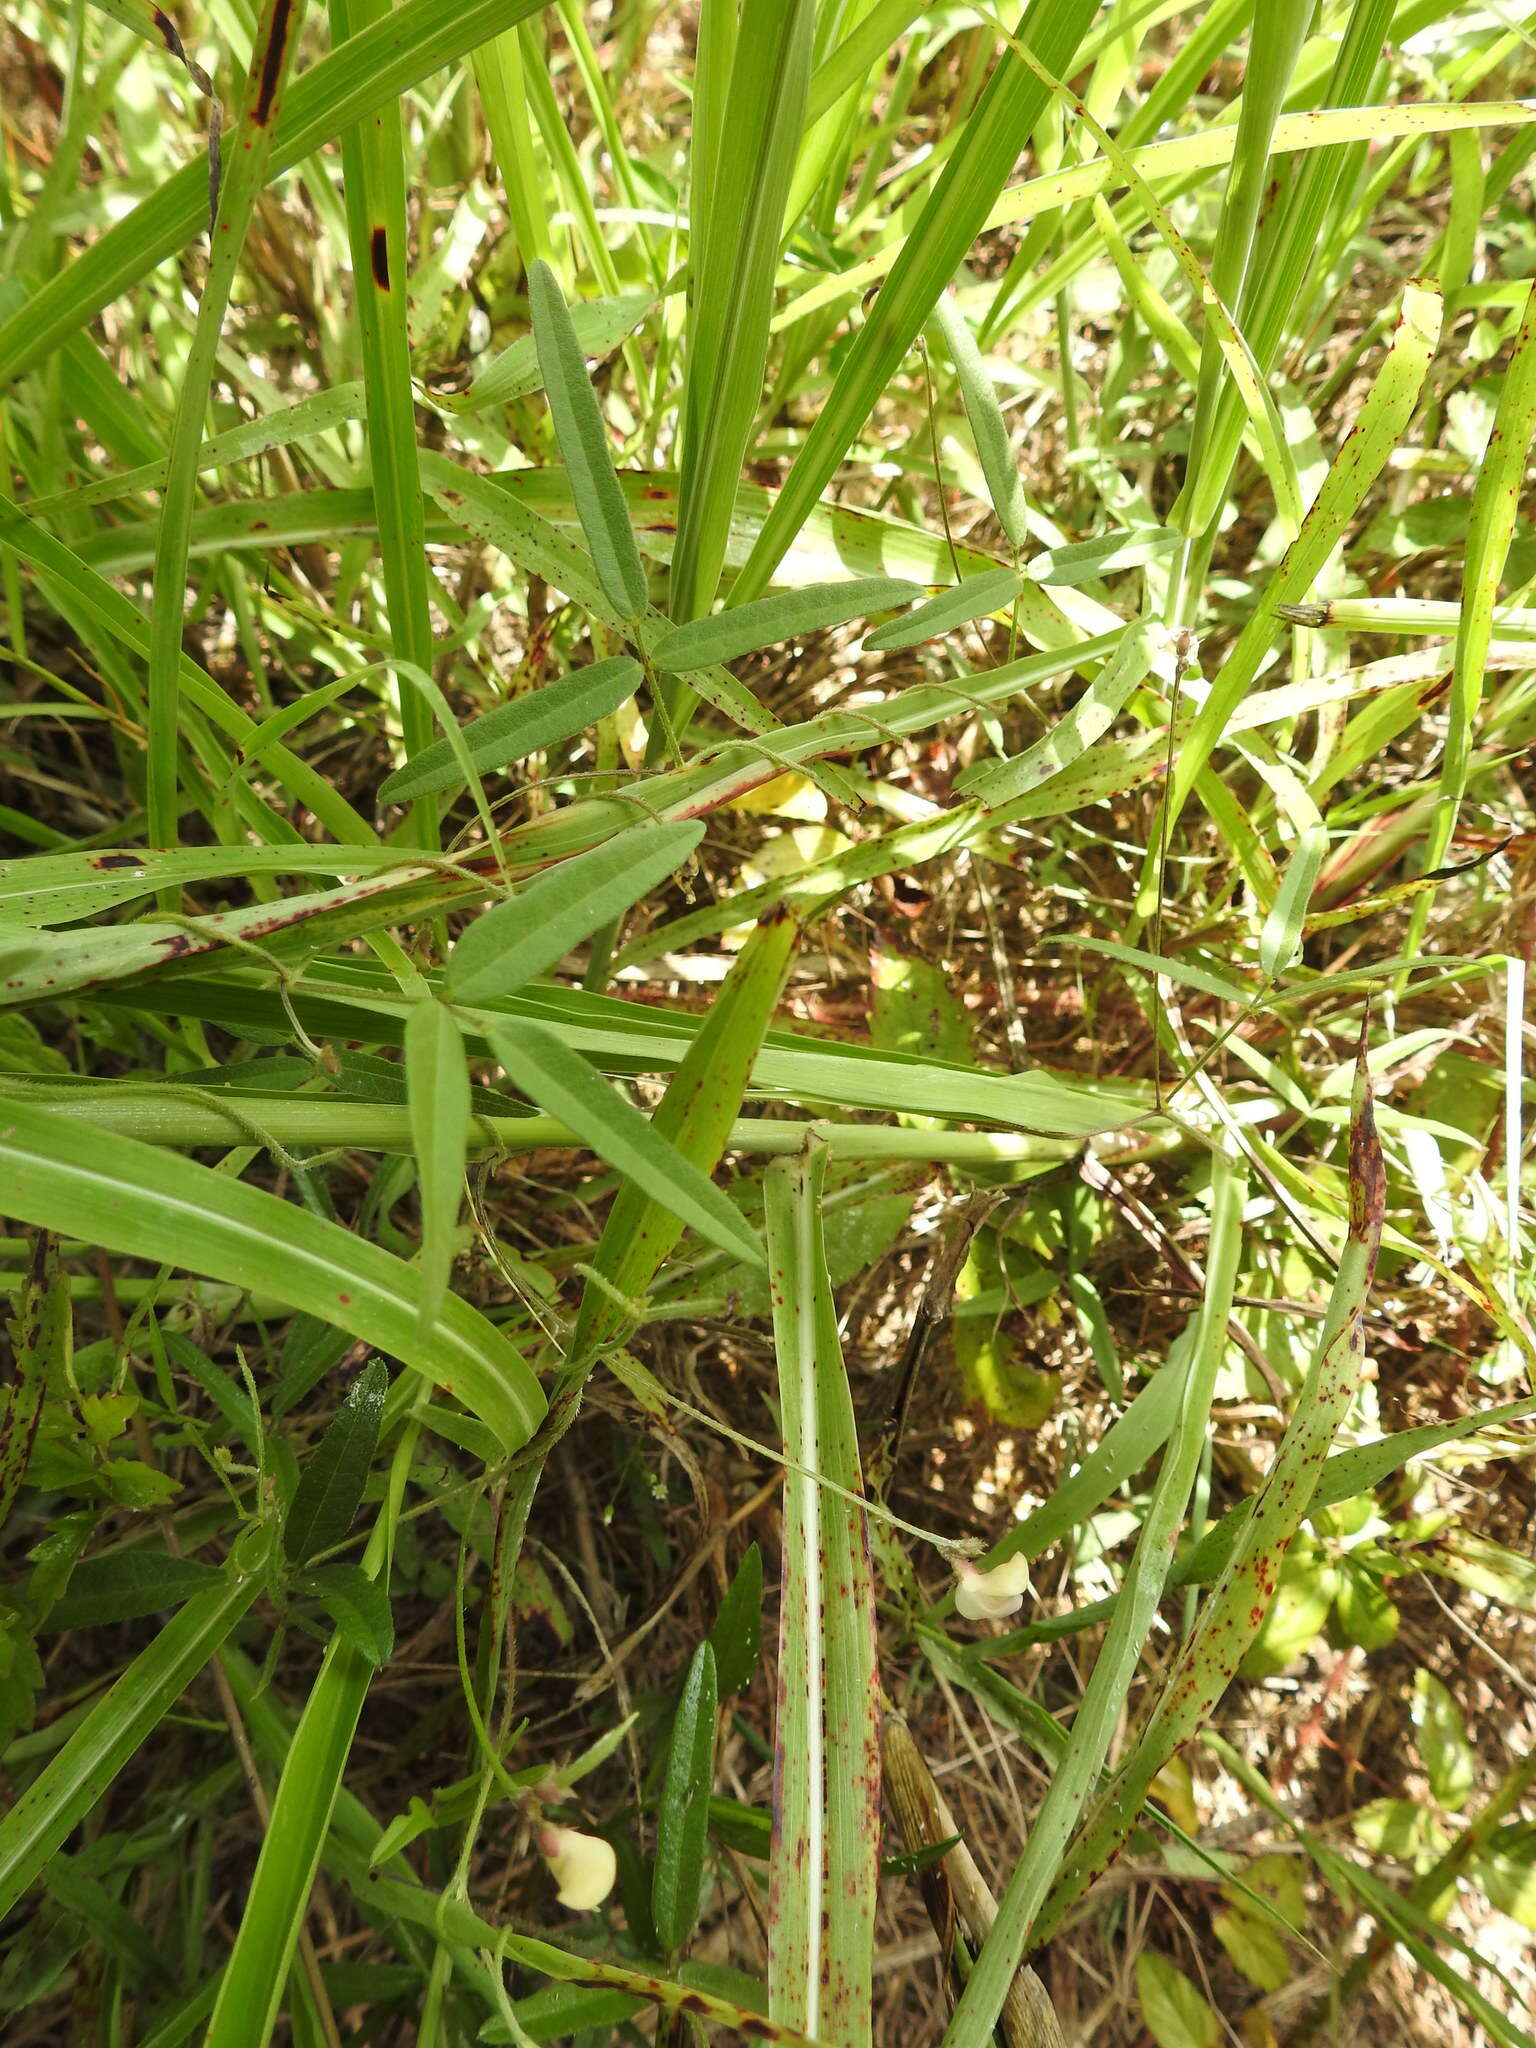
583 1866
989 1596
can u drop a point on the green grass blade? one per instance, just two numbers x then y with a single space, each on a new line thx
770 620
744 181
1388 407
929 256
989 430
277 34
65 1790
824 1865
1497 498
516 941
540 1063
130 1198
973 597
583 440
600 325
528 725
682 1821
437 1094
331 1483
374 160
374 67
694 1116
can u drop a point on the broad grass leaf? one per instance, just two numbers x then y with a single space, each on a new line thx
437 1094
973 597
123 1585
682 1821
1084 561
540 1063
583 440
769 621
518 940
357 1604
755 65
528 725
989 429
133 1198
737 1634
1280 940
824 1866
333 1477
695 1116
599 326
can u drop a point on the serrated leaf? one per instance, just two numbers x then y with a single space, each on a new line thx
737 1634
768 621
124 1585
973 597
358 1605
515 941
330 1488
540 1063
1176 2015
583 440
437 1096
1448 1755
682 1823
528 725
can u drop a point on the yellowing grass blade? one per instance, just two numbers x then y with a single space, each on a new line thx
824 1863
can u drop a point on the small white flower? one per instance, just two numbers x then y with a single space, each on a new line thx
583 1866
989 1596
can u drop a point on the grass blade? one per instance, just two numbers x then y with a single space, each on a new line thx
542 1065
516 941
770 620
277 34
1234 1611
741 187
42 1816
695 1117
1076 1772
929 256
130 1198
528 725
682 1824
437 1094
583 440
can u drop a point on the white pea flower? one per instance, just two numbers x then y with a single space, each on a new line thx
989 1596
584 1866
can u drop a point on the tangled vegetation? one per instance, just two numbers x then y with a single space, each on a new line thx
764 1079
